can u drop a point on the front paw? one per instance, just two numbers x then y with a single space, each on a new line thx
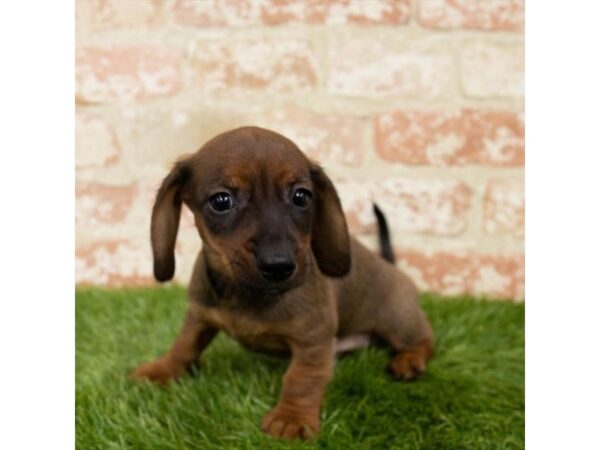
284 422
159 371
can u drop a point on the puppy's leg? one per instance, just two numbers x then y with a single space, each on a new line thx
410 362
194 336
297 413
408 332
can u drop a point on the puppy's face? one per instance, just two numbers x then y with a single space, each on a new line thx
252 197
259 206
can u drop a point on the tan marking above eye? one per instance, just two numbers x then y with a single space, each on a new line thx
289 178
231 183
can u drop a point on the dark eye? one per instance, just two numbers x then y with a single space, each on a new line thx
301 197
221 202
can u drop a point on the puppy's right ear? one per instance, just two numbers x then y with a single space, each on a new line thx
165 220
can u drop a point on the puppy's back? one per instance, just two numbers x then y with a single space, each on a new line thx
372 286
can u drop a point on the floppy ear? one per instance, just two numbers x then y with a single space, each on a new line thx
165 221
330 239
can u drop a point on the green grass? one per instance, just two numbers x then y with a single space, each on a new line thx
472 396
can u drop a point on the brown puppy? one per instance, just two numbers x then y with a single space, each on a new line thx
279 273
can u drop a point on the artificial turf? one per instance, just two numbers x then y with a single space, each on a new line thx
472 396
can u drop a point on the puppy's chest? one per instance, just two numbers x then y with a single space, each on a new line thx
248 331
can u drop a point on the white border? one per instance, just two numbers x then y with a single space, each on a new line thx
562 225
37 226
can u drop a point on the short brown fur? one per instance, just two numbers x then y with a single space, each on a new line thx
338 289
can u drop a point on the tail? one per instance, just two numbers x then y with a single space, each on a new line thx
385 242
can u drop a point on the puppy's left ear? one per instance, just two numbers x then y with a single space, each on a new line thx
330 238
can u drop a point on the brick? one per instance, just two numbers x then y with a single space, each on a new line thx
488 15
101 204
492 70
96 143
128 262
117 262
373 67
113 235
220 13
158 136
263 65
505 206
126 73
457 273
100 15
431 206
328 139
451 138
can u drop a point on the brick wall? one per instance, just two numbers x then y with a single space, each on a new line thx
418 104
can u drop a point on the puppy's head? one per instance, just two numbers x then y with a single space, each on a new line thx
260 206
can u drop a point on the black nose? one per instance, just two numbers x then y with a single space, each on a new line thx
276 267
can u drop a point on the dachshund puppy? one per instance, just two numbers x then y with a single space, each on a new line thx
279 272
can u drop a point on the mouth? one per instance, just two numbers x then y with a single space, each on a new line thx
273 289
